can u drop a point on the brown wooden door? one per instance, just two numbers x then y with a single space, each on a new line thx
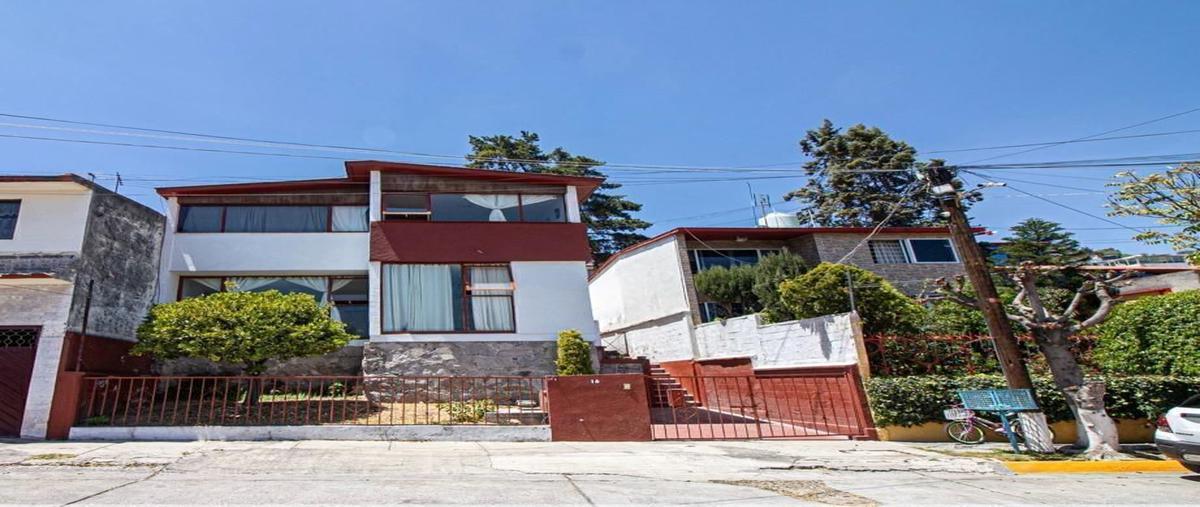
18 346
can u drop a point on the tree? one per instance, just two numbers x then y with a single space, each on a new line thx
609 217
1172 197
771 271
1043 243
844 186
730 288
823 290
574 354
242 328
1051 330
1157 335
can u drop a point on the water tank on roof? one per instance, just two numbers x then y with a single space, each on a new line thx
776 219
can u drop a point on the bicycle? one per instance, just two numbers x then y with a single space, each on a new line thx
967 427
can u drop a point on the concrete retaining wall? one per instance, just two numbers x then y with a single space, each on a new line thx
414 433
821 340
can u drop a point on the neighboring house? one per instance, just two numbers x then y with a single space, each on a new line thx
440 270
645 293
1153 275
60 235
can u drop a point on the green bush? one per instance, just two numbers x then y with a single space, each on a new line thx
246 328
823 291
1158 335
730 288
470 411
769 273
574 354
908 401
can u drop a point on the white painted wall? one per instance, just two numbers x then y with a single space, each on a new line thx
668 339
549 297
640 287
284 253
52 218
821 340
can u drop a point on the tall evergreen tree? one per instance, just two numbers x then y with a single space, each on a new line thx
609 217
843 190
1043 243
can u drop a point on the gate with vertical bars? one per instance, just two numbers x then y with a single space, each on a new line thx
18 346
817 403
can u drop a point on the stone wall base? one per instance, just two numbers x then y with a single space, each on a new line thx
490 358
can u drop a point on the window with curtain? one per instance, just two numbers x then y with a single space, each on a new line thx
200 218
475 208
350 303
887 251
8 218
350 219
543 208
276 218
447 298
347 296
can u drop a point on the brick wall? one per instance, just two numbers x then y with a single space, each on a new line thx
906 277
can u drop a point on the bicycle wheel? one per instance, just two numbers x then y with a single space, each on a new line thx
961 432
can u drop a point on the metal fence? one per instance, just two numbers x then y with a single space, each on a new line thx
277 400
819 405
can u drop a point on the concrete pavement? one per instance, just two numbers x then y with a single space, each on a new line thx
742 472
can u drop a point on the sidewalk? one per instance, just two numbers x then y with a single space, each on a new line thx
322 472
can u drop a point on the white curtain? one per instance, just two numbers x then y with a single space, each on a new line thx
314 283
534 199
350 219
497 202
335 285
418 297
251 283
208 283
491 301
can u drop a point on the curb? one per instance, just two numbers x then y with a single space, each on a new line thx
1093 467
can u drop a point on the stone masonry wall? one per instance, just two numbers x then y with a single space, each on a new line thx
910 278
484 358
121 254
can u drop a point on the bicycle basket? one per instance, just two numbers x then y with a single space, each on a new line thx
957 414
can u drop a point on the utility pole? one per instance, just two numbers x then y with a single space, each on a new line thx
941 179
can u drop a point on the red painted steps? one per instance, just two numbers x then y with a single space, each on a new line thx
666 391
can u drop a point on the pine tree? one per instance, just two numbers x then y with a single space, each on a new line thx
1042 243
842 190
609 217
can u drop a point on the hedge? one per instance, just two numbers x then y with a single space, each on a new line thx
1157 335
908 401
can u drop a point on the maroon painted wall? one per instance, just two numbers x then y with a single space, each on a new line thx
478 242
598 408
100 356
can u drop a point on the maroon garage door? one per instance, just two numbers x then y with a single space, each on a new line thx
17 348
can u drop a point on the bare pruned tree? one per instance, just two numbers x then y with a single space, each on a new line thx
1051 330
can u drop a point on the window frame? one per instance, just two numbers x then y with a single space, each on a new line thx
694 256
15 220
910 256
328 287
464 276
225 207
428 213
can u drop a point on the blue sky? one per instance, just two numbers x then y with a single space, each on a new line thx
680 83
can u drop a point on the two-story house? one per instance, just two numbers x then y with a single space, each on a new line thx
645 294
77 273
440 270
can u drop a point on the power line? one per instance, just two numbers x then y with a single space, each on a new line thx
1084 138
1064 206
1058 143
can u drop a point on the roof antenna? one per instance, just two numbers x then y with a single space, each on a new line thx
92 176
753 203
117 189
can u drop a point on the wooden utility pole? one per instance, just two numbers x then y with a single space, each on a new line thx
941 180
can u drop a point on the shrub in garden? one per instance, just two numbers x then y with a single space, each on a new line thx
574 354
908 401
769 273
823 291
1157 335
730 288
470 411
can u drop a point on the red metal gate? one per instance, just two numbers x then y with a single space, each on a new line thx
823 402
18 346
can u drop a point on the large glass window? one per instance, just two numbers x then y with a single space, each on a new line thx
200 218
543 208
932 250
276 218
447 298
475 208
887 251
350 219
347 296
8 218
708 259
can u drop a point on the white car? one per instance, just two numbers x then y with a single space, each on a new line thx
1178 433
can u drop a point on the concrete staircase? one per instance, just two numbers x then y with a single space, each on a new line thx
666 391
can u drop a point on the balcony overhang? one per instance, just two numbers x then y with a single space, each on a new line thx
463 242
